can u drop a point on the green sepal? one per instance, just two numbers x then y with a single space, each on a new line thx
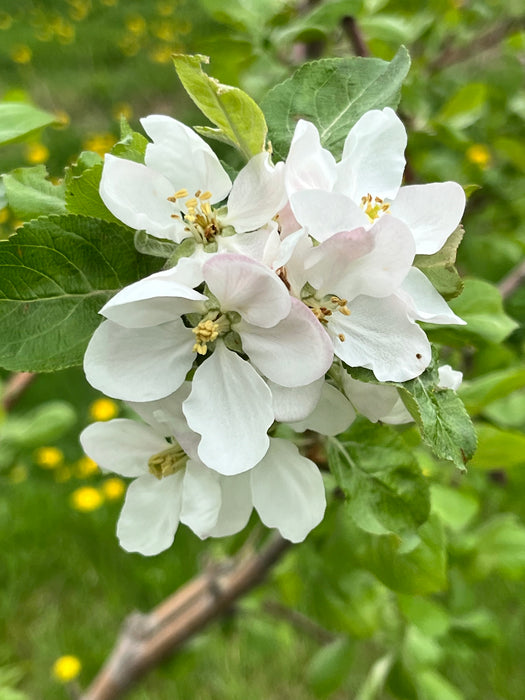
233 341
184 249
440 268
158 247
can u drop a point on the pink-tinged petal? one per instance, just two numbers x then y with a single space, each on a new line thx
122 446
424 302
201 498
138 196
257 194
332 265
324 213
309 166
288 491
295 352
236 506
152 300
379 335
379 272
331 416
449 378
139 364
375 401
292 404
230 406
150 515
373 156
431 212
184 158
248 287
287 222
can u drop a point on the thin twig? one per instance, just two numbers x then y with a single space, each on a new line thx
15 387
353 32
299 621
146 639
494 36
512 281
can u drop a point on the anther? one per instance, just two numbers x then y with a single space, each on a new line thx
204 195
181 193
341 337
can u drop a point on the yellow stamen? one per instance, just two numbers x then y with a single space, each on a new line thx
373 208
191 203
167 462
181 193
204 195
206 332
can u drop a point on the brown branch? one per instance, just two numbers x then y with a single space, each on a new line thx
146 639
353 32
512 281
15 387
494 36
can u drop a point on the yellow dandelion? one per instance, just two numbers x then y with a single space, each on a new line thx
103 409
86 498
164 31
165 8
4 215
65 33
136 24
122 109
48 457
113 488
62 118
22 54
161 54
66 668
18 474
99 143
5 20
129 46
85 467
36 153
479 154
62 474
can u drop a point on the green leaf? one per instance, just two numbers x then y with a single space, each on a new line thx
465 107
481 306
455 508
333 93
330 667
429 617
238 118
132 145
31 194
18 120
499 449
435 687
498 545
41 426
478 393
384 488
440 268
419 571
82 195
55 275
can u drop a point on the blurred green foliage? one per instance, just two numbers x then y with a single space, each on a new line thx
438 616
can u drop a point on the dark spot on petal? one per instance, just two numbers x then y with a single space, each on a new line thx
418 355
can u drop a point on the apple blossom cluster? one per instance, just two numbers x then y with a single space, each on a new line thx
277 279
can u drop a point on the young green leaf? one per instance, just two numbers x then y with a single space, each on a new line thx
18 120
82 193
239 120
440 268
55 275
31 194
333 93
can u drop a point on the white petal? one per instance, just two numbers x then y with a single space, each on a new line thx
262 245
380 336
424 302
257 194
449 378
138 196
331 416
373 156
292 404
230 406
236 505
139 364
288 491
150 515
431 212
324 213
295 352
151 301
201 498
375 401
248 287
184 158
309 166
121 445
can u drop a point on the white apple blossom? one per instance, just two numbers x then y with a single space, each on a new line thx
327 197
157 328
172 485
173 195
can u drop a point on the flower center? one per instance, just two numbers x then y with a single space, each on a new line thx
169 461
200 219
373 207
322 308
208 330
